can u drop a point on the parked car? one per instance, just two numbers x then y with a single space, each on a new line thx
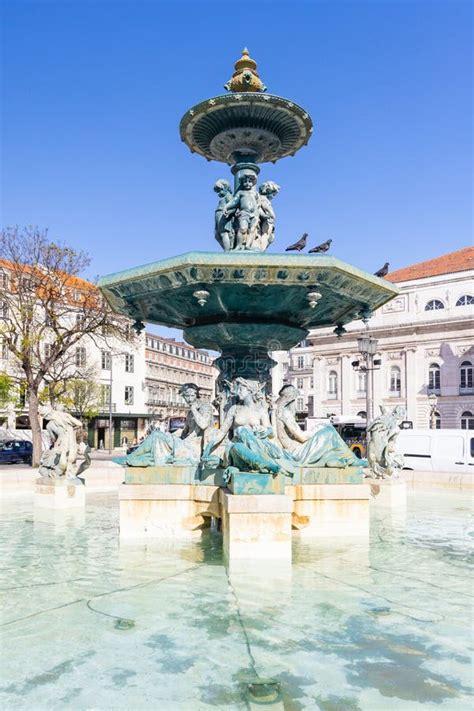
15 451
434 450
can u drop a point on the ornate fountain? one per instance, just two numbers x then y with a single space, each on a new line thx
243 301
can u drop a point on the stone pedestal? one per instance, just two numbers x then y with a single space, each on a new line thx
326 510
388 492
256 527
169 511
59 494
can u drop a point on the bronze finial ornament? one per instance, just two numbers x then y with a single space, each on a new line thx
245 77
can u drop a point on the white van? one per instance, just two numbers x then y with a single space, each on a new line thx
437 450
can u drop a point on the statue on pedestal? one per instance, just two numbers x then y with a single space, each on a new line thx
253 446
384 462
60 459
244 206
182 447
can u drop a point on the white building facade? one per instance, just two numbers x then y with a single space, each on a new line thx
425 345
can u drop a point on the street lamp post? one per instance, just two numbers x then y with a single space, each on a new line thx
368 348
433 401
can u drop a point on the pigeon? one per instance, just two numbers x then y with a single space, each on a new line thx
384 271
321 247
298 246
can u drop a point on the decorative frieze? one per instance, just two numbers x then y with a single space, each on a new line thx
396 305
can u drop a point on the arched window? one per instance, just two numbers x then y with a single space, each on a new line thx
434 305
467 420
332 385
465 299
395 380
362 413
434 378
437 420
466 375
361 382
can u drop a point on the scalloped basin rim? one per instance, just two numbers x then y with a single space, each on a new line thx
245 259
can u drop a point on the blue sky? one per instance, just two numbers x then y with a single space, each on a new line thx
93 93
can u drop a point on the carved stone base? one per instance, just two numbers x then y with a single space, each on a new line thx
327 510
388 492
165 474
329 475
256 527
169 511
59 494
248 483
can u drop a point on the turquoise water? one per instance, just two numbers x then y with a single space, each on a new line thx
91 624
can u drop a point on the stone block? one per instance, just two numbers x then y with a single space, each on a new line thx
388 492
317 518
165 474
328 510
246 483
329 475
59 494
161 511
256 527
328 491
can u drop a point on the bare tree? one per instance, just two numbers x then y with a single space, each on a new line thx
46 309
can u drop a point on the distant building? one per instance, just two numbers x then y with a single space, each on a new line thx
170 364
425 342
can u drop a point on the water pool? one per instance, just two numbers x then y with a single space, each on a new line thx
91 624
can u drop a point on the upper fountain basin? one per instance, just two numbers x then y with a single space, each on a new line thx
264 127
245 296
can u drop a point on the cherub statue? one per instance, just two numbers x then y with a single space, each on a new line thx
267 192
384 462
245 207
223 226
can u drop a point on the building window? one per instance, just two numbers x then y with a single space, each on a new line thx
299 383
80 357
437 420
466 376
129 363
104 395
106 360
467 420
332 385
3 280
465 300
80 318
434 305
310 406
362 414
48 349
362 382
3 350
3 309
299 404
300 362
128 395
434 378
395 380
311 383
